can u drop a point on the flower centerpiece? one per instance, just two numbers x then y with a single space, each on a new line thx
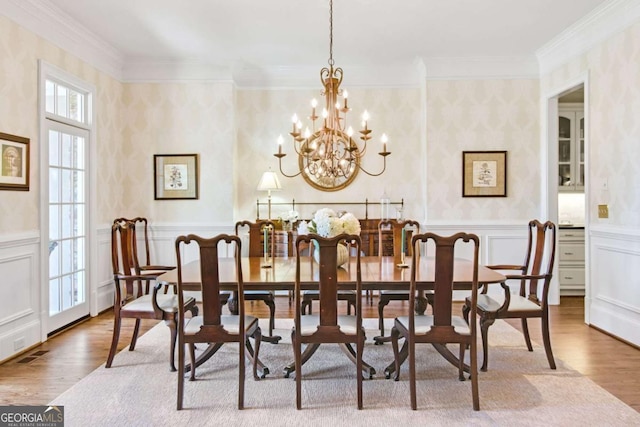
288 219
327 223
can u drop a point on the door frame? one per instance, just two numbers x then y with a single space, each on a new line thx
549 177
46 70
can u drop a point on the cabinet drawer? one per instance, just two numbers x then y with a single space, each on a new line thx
571 234
572 252
571 276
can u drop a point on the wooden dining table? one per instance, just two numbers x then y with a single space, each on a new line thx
377 273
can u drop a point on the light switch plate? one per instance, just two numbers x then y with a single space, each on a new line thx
603 211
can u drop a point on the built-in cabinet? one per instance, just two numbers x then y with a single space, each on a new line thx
571 147
571 261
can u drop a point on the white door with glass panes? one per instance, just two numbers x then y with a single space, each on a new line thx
570 150
66 132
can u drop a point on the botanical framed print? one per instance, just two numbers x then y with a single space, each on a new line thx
175 176
484 174
14 174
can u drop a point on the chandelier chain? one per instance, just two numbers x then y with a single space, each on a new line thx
331 33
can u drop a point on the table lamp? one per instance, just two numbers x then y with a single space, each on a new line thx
269 182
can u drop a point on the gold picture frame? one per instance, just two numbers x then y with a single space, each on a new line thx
14 173
175 176
484 174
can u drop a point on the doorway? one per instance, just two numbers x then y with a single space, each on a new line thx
568 195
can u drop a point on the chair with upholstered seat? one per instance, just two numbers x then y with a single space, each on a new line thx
531 301
441 328
327 326
258 231
400 246
134 297
212 326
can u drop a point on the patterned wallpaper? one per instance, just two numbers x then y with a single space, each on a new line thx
614 128
479 115
19 53
179 118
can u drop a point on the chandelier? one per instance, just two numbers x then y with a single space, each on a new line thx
328 157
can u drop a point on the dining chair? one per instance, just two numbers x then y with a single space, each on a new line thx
401 245
327 326
134 297
532 298
442 327
212 326
258 231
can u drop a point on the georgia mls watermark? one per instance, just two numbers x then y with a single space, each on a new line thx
32 416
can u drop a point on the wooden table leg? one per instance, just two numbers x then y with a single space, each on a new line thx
441 348
212 348
306 354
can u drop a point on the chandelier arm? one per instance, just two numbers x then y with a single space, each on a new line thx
384 167
280 167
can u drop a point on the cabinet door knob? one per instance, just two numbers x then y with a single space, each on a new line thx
568 277
568 253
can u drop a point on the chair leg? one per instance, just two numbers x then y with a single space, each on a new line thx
547 341
181 376
485 322
395 335
192 358
272 315
381 304
134 337
466 309
297 348
114 340
360 349
173 327
525 332
241 374
305 307
412 372
463 347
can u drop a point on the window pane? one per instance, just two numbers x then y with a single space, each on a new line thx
50 98
54 292
67 221
67 150
78 288
54 183
78 180
54 222
54 262
66 187
54 148
75 106
79 151
79 216
67 292
62 96
79 253
67 257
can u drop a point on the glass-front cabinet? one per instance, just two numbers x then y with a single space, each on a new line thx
571 149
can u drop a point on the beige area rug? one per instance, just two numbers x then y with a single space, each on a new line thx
518 390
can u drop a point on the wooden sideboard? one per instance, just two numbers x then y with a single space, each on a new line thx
285 240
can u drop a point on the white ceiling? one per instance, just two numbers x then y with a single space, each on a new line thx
255 34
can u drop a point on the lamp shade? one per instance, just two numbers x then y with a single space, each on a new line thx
269 182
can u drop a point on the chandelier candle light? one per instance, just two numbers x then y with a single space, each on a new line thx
328 157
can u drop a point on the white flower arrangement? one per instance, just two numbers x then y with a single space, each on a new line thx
327 223
291 216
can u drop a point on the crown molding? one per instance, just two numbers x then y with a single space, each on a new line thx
481 68
46 20
603 22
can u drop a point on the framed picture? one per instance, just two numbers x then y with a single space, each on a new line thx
484 174
14 174
175 176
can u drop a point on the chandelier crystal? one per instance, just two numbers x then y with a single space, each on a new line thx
328 157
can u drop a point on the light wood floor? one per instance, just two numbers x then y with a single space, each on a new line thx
39 375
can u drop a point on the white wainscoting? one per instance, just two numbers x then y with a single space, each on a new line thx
20 324
613 288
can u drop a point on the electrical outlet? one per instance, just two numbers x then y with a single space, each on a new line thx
18 344
603 211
